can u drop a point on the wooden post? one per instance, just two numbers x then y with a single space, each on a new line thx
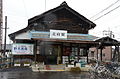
114 54
97 54
35 51
58 55
62 53
87 53
101 54
111 52
118 54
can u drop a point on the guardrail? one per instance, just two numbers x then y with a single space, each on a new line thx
6 62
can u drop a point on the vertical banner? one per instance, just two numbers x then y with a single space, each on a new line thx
22 49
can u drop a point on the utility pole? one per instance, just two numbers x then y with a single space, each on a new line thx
5 35
1 20
45 5
108 33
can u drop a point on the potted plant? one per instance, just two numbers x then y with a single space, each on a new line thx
17 64
26 63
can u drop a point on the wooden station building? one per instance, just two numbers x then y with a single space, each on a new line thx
58 36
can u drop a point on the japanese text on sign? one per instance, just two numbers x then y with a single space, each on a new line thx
22 49
58 34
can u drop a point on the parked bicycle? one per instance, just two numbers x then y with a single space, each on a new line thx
105 71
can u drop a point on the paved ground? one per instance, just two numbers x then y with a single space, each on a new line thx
16 69
26 73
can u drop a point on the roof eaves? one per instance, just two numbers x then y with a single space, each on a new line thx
12 35
81 16
63 5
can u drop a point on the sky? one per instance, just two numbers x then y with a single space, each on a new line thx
19 11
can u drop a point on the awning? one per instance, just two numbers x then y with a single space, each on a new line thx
71 37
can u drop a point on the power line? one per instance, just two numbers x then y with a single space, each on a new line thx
45 5
25 8
105 9
107 13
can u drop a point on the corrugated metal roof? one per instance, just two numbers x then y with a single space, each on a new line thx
70 36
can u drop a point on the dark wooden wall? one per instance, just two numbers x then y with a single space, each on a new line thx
60 20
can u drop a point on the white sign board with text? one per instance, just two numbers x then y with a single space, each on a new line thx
58 34
22 49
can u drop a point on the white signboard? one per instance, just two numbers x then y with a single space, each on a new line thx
58 34
22 49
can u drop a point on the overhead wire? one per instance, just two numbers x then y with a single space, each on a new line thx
107 13
105 9
25 8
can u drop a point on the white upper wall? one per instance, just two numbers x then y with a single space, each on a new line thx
24 35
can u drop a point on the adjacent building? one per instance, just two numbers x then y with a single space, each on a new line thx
106 53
